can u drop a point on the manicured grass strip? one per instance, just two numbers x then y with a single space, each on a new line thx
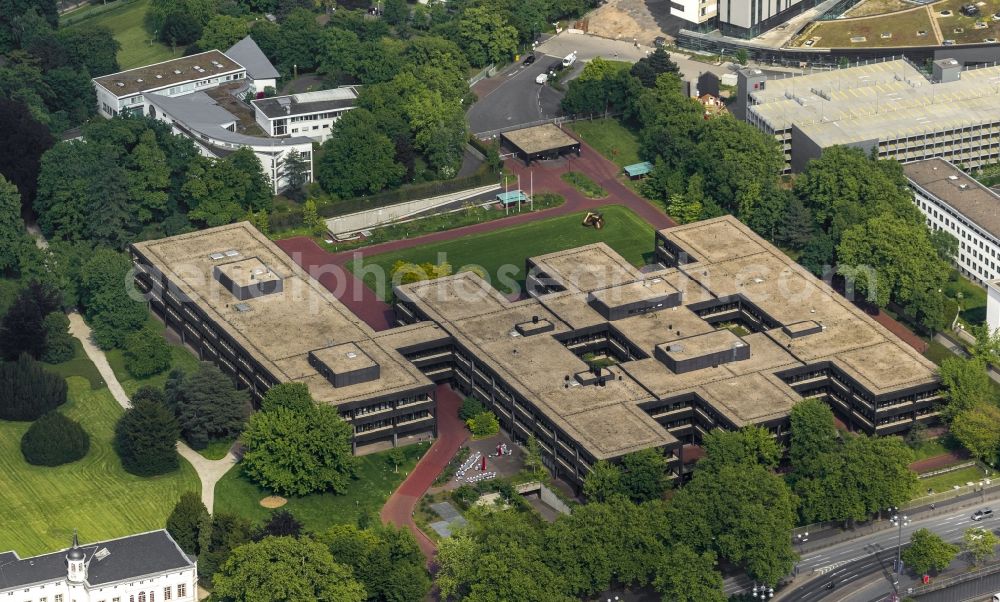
376 480
581 182
78 365
623 231
937 353
614 141
944 482
42 506
182 359
126 21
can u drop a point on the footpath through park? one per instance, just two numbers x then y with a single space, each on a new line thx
209 471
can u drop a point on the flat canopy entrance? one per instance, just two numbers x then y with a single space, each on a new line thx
514 196
540 142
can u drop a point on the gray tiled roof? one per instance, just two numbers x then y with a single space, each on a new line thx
246 52
131 556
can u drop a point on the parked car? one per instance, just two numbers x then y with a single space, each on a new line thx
983 513
542 78
528 59
970 10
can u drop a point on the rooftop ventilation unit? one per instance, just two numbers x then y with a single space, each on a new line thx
351 355
217 256
101 554
120 84
242 307
952 178
177 71
158 76
232 253
139 80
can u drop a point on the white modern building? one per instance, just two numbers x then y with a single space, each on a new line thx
127 90
260 71
201 97
695 11
147 567
309 114
953 201
215 132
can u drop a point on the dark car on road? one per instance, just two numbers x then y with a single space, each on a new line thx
528 59
981 514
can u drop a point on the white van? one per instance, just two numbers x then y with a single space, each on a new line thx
996 597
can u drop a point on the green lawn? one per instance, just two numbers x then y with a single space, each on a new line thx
610 138
376 480
79 365
937 353
623 231
944 482
973 299
126 21
42 506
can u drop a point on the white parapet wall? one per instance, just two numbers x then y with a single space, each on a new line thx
993 305
373 218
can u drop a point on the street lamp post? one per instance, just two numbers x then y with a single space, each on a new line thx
763 592
801 538
898 521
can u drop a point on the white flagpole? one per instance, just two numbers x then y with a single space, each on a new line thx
531 196
519 193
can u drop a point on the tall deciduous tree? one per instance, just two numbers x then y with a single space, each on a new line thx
966 385
890 258
603 482
385 560
978 430
104 293
25 141
293 396
296 452
813 437
222 31
742 512
358 159
979 543
687 576
644 475
146 353
285 568
485 36
928 552
751 445
146 439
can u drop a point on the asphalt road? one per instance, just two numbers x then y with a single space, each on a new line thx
850 565
518 100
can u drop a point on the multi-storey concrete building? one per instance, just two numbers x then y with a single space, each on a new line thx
146 567
242 303
888 108
954 202
599 360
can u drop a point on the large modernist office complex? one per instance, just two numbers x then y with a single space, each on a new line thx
146 567
889 108
726 332
201 97
739 18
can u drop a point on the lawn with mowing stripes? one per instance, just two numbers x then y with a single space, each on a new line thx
41 505
126 21
182 358
237 494
623 231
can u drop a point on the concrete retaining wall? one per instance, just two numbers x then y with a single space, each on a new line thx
373 218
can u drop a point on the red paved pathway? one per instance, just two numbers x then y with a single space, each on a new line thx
398 510
948 459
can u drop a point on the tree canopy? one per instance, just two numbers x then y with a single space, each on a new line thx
209 407
928 552
296 450
285 568
146 439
